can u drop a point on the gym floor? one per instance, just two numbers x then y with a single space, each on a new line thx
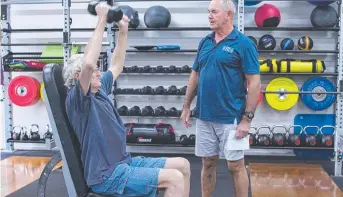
270 176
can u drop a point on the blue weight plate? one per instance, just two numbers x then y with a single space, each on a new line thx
318 102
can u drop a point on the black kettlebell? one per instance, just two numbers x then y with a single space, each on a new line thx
135 111
24 135
48 133
34 132
279 139
311 139
15 133
191 139
184 140
160 111
252 136
294 139
147 111
263 139
327 140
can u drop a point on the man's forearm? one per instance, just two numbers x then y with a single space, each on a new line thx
118 57
191 89
93 48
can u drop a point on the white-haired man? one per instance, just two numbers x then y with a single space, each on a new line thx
226 61
108 168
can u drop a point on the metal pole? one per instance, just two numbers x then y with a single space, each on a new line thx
6 77
66 30
339 102
240 15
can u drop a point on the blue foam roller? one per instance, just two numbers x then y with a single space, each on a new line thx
314 101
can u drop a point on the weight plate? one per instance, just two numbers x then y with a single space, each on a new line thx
282 101
41 91
24 91
318 102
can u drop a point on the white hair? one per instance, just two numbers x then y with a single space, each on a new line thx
229 5
74 65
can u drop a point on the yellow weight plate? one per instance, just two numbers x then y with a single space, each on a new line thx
41 91
282 101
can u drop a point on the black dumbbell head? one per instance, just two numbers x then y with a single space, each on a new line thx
123 110
173 90
159 90
147 90
160 111
135 111
147 111
114 14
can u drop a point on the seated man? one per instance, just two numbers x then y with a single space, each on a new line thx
108 168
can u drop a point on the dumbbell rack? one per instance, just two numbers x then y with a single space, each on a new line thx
66 34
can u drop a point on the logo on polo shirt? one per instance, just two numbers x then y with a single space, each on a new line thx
227 49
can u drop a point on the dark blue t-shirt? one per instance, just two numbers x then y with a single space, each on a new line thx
221 94
99 130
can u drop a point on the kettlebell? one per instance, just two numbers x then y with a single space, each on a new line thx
191 139
34 132
263 139
184 140
24 135
327 140
311 139
294 139
252 136
47 134
279 139
15 133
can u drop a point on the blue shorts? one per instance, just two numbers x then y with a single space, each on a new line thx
140 177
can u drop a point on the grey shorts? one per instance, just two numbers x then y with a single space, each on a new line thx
211 139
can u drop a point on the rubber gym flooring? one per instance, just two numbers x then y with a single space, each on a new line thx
270 176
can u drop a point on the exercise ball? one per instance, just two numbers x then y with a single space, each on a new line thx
132 14
287 44
324 16
305 43
267 15
320 3
253 39
249 3
157 17
267 42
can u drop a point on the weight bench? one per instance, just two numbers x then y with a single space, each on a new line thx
66 140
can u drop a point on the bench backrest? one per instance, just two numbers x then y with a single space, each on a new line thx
56 94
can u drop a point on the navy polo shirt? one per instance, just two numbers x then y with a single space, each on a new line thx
221 94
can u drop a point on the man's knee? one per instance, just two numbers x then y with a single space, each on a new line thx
170 178
209 162
236 166
186 167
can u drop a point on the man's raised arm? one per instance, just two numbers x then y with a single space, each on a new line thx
93 48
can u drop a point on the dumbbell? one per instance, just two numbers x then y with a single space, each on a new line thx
182 91
172 90
173 112
147 90
148 111
159 90
279 139
294 139
123 110
160 111
114 13
135 111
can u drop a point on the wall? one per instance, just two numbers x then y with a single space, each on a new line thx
293 14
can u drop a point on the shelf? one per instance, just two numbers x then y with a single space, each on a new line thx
262 73
175 29
261 51
41 141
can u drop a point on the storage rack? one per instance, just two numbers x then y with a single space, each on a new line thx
6 44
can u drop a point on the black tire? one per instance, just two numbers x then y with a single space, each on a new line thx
43 179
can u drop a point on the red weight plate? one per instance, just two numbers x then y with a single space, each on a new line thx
260 98
24 91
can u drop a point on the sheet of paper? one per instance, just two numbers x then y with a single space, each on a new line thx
237 144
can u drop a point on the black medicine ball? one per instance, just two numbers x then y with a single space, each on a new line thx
267 42
287 44
305 43
324 16
157 17
253 40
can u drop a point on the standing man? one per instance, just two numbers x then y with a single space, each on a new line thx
226 61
